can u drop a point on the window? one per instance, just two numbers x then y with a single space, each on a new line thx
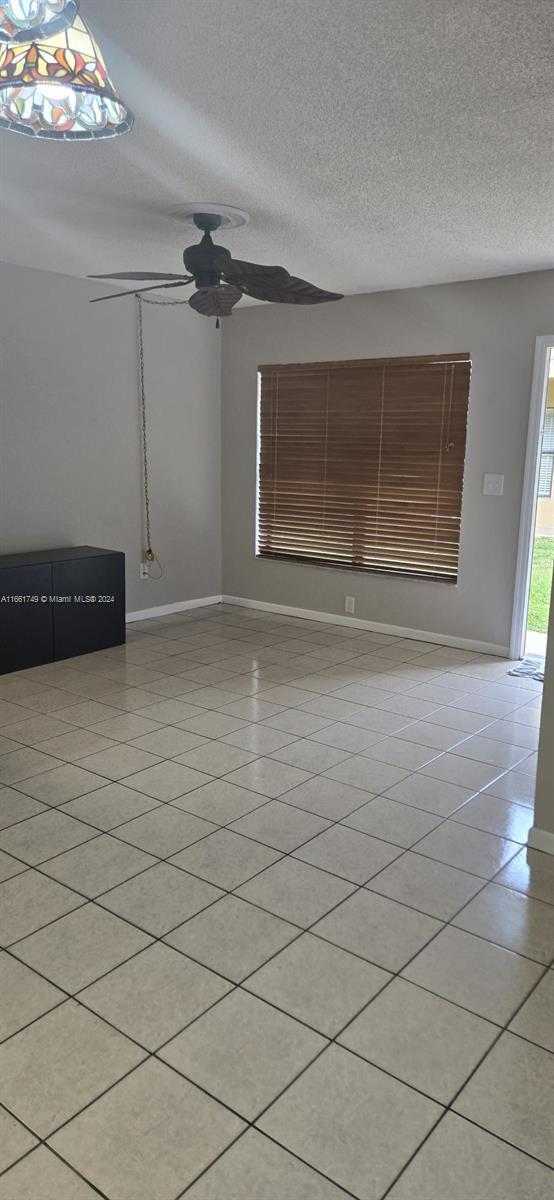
546 468
361 463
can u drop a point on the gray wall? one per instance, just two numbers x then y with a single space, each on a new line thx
70 464
497 320
70 467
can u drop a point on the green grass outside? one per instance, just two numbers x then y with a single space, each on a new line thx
541 585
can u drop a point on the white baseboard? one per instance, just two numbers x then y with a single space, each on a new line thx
541 839
165 610
308 614
419 635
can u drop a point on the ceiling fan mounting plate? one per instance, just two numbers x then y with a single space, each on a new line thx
230 217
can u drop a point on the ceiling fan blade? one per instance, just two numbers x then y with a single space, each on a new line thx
247 273
216 301
275 284
298 291
139 291
137 275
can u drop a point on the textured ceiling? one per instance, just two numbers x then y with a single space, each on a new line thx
375 143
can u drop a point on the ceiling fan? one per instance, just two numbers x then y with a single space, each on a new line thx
220 280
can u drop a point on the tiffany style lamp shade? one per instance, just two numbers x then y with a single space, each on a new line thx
22 19
58 87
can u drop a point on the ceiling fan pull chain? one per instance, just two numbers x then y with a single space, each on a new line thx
150 556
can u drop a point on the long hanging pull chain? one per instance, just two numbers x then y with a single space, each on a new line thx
150 556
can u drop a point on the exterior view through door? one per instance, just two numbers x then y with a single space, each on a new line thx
543 536
533 584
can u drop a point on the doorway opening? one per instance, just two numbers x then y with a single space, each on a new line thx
536 538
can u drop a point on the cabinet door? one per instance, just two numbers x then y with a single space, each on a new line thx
25 617
89 613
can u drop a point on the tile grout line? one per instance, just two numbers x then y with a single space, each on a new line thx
253 904
228 892
285 854
462 1116
267 800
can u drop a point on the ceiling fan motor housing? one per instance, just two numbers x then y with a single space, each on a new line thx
206 261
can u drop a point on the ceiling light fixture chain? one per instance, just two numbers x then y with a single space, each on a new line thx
150 556
166 303
171 304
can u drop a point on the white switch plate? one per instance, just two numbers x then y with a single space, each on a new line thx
493 485
350 604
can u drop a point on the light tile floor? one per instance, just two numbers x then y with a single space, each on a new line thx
269 925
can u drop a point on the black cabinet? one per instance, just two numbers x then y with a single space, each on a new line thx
55 604
26 633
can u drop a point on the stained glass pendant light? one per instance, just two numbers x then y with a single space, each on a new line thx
58 87
22 19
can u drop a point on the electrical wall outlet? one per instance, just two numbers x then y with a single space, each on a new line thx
143 570
349 604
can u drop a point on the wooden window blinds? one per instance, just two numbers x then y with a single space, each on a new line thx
361 463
